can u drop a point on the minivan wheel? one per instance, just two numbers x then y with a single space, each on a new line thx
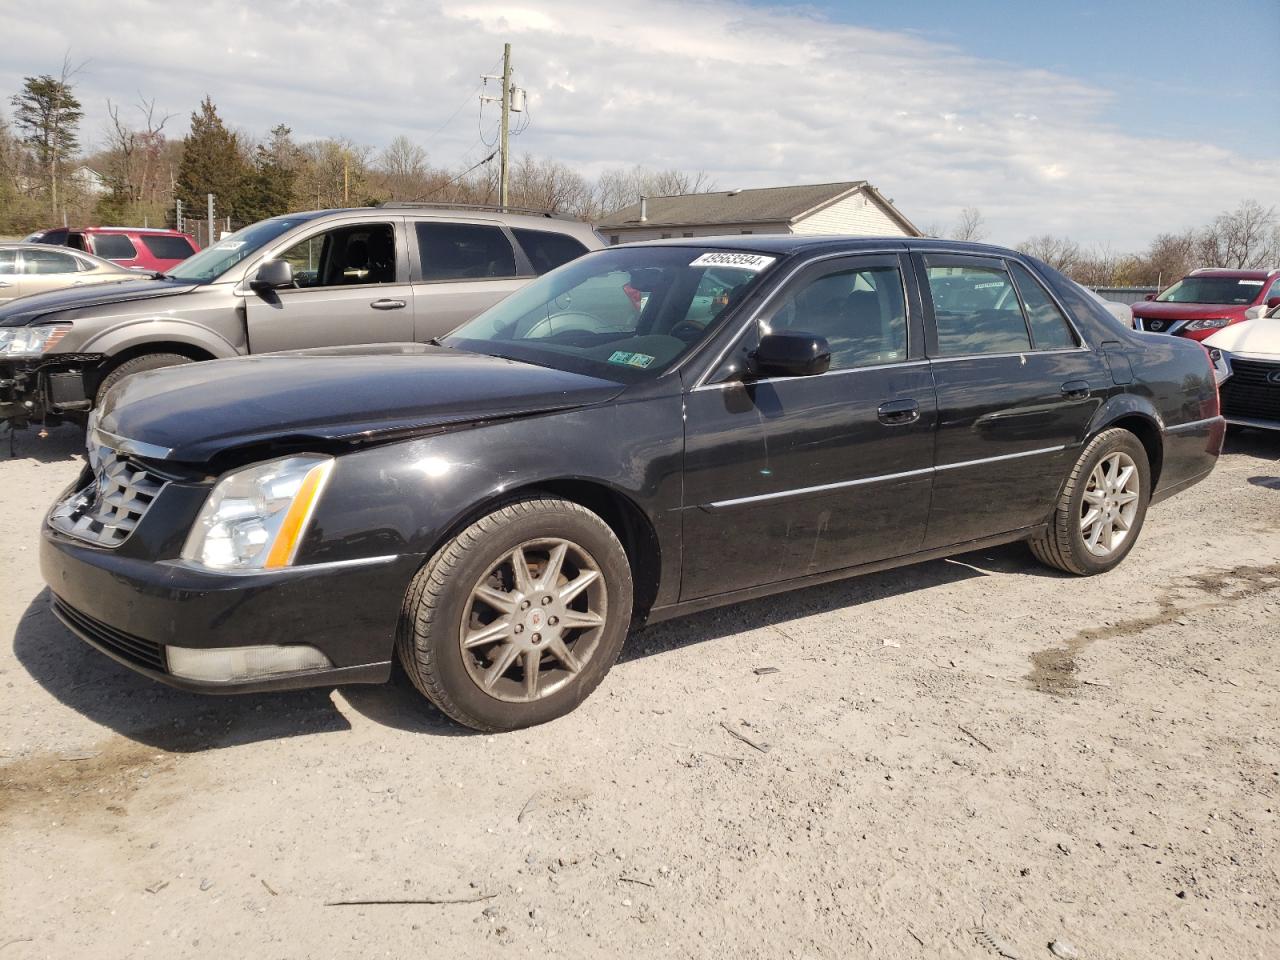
1102 506
519 617
148 361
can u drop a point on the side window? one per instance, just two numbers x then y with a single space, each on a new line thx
1049 327
351 255
114 246
977 311
861 312
47 261
464 251
1274 291
8 261
547 250
167 247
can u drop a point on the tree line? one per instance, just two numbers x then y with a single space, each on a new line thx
141 170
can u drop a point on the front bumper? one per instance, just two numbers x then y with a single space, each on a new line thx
132 609
32 388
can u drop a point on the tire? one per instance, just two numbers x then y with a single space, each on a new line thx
449 599
1064 545
148 361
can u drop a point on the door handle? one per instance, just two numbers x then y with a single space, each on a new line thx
1076 389
385 304
898 412
5 283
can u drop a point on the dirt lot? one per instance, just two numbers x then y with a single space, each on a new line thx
961 758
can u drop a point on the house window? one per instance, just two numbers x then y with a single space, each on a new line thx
666 236
747 231
613 239
690 235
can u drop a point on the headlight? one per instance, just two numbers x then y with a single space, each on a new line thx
255 518
31 341
1212 324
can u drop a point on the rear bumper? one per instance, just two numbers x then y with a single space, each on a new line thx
1191 451
132 610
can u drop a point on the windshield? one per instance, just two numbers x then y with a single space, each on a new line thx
1212 290
624 314
211 262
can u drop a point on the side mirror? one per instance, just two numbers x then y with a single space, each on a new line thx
1149 296
272 275
790 354
1273 302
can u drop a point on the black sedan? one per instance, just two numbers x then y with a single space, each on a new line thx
649 430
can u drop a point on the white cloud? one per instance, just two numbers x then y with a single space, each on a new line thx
753 96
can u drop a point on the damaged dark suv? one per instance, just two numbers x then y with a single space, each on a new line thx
646 431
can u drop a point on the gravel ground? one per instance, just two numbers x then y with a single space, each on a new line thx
958 759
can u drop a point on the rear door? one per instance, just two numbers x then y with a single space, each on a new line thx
792 476
351 286
1016 391
459 270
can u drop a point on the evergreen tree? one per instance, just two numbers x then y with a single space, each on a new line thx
212 162
269 190
47 115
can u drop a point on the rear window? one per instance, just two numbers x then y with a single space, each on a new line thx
114 246
547 250
164 247
464 251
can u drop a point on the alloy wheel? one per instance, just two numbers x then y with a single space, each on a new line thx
534 620
1110 505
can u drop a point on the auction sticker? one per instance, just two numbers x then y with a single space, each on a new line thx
641 360
754 262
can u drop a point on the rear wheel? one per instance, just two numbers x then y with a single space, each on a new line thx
148 361
519 617
1102 506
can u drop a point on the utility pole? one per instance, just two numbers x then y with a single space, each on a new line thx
177 215
506 122
346 179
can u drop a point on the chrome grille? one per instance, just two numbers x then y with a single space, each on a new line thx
1250 392
107 510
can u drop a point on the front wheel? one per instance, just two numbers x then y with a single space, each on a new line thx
1101 508
519 617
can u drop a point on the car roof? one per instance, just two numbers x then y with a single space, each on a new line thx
108 229
783 244
1233 274
532 220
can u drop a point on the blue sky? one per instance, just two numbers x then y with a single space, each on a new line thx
1177 68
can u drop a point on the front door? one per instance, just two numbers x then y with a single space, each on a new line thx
351 286
461 269
787 477
1016 392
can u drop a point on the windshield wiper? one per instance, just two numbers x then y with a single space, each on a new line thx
157 275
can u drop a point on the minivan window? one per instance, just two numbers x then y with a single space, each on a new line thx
1049 327
976 311
165 247
114 246
349 255
463 251
547 250
862 314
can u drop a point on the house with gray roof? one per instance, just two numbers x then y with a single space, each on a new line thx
850 207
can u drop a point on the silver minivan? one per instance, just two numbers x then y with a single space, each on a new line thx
396 272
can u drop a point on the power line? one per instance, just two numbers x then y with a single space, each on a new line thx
450 183
462 106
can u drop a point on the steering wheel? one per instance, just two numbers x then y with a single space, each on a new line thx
552 325
686 330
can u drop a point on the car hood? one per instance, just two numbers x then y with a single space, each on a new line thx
27 310
1149 309
193 412
1261 336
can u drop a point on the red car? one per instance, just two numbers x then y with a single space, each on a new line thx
147 249
1206 300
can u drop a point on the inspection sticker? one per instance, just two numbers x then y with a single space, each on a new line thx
631 359
754 262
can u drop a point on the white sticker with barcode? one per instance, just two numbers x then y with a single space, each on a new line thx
754 262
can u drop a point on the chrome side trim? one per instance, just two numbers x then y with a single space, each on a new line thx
1004 456
1190 425
133 448
1020 353
300 568
830 373
863 481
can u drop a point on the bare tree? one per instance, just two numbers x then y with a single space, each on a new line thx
1244 238
970 225
622 187
1061 253
402 171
